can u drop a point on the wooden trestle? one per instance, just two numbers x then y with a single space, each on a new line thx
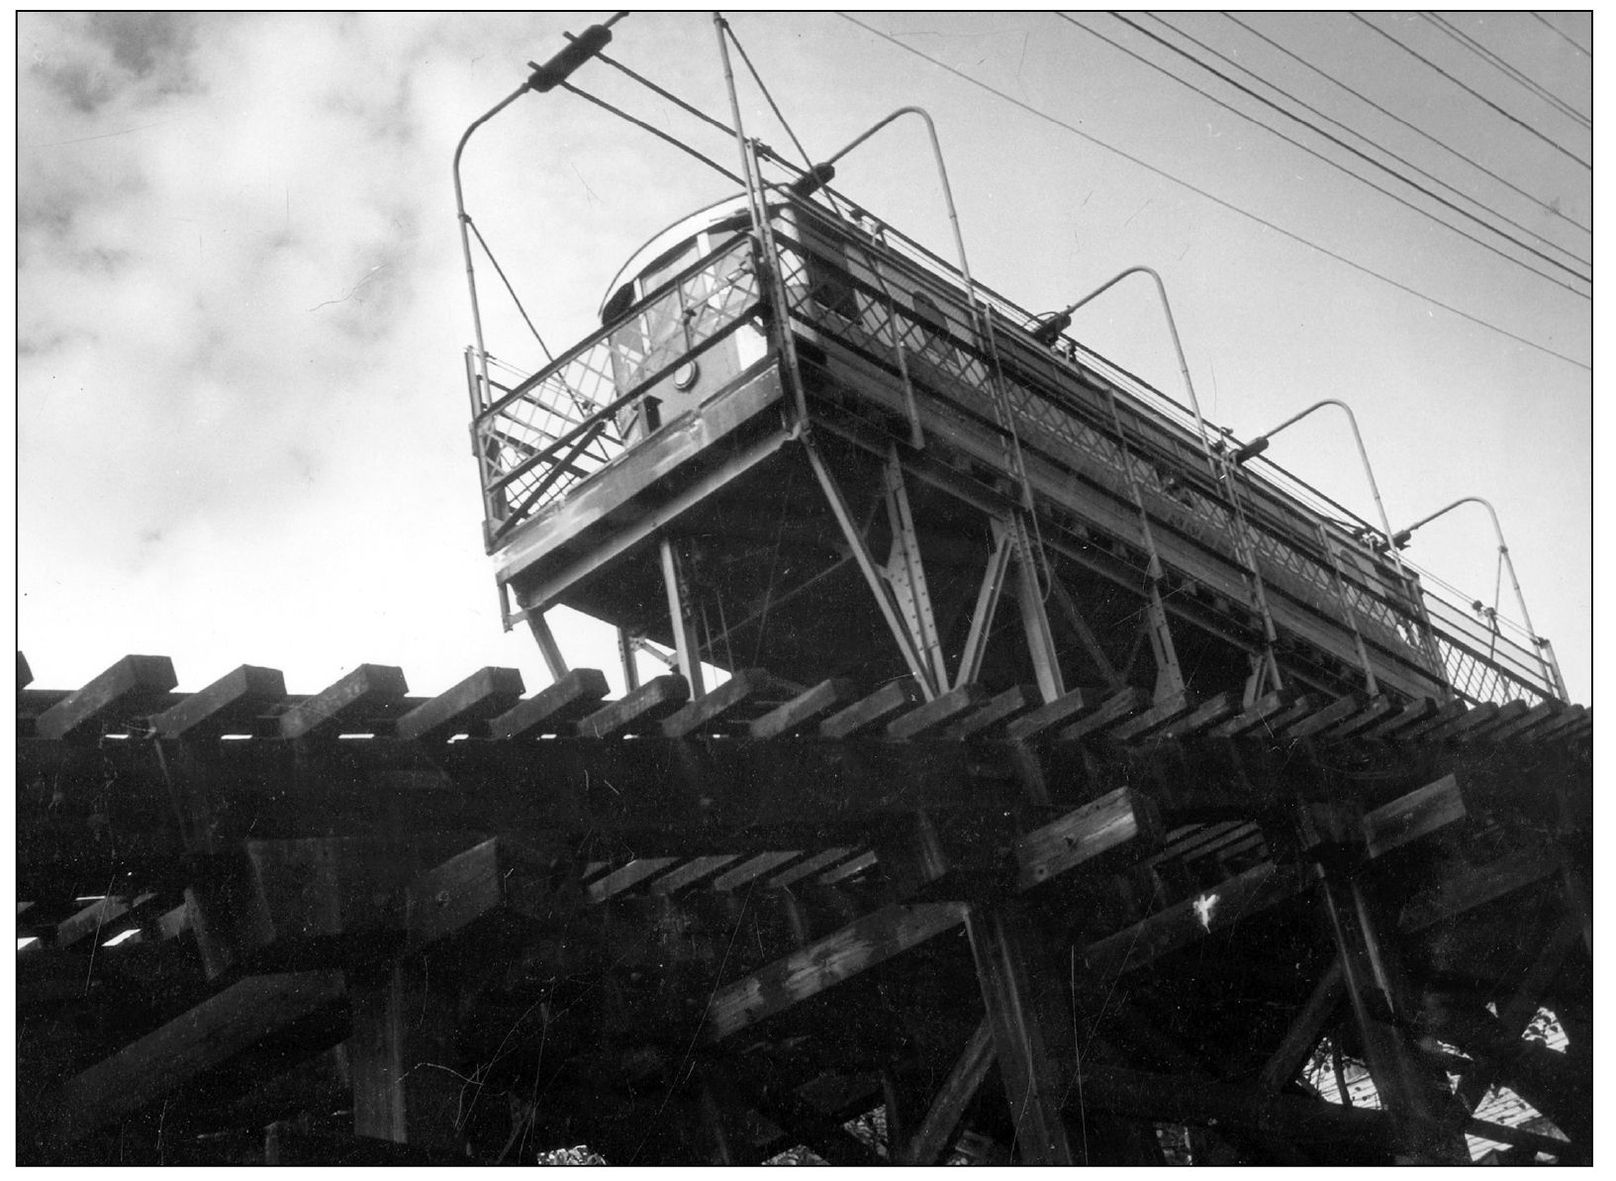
373 927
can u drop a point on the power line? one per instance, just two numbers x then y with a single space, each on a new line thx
1048 118
1477 95
1563 36
1508 70
1363 98
1333 139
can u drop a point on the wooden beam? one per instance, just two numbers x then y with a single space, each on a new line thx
1161 713
1377 709
1572 721
488 692
367 690
204 1037
838 957
1341 710
1511 711
937 713
1113 710
871 712
1210 713
809 867
448 898
233 700
1419 731
1045 717
804 710
690 873
712 709
1472 888
1412 713
931 1141
637 712
754 868
1304 1033
1540 714
628 876
93 918
406 1085
555 709
1415 815
1459 727
1078 836
127 689
999 711
1260 713
848 868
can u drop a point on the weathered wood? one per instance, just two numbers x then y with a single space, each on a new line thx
1414 712
204 1037
93 918
487 693
1509 712
1573 720
1304 1033
233 700
1117 708
368 690
25 675
937 713
1421 731
1340 710
999 711
1487 1130
753 868
847 869
1032 1077
640 711
1078 836
803 710
1415 815
128 689
838 957
873 711
1260 713
1458 727
554 709
690 873
1472 888
628 876
485 878
1046 717
171 924
809 867
1161 713
1184 922
713 708
401 1056
1203 717
1539 715
1377 709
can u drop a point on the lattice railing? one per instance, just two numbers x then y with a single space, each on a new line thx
538 440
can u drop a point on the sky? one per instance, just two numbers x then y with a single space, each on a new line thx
241 306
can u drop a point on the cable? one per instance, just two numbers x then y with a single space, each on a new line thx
1363 98
1564 37
1387 151
1048 118
1509 71
656 131
670 96
758 78
1478 96
500 271
1338 142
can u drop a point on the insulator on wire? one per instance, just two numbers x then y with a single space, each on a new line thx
575 53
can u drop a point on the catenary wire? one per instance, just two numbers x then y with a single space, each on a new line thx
1306 106
669 95
1504 67
656 131
1558 33
1363 98
1216 200
1339 143
1477 95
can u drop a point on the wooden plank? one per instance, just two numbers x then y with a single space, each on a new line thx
485 694
403 1024
95 917
1482 714
1117 708
931 1140
1045 717
451 896
1078 836
712 709
1263 712
809 867
1417 731
25 675
627 876
637 712
936 714
1340 710
1509 712
1377 709
1182 923
1540 714
205 1036
691 872
1160 713
233 700
356 698
997 713
128 689
555 709
1573 719
803 710
171 924
1412 713
1210 713
847 869
1415 815
753 868
1292 1052
871 712
838 957
1470 889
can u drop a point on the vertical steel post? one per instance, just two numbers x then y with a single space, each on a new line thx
680 616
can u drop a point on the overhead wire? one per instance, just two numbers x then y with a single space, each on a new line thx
1306 106
1571 41
656 131
1216 200
1477 95
1506 68
1546 206
669 95
1335 140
